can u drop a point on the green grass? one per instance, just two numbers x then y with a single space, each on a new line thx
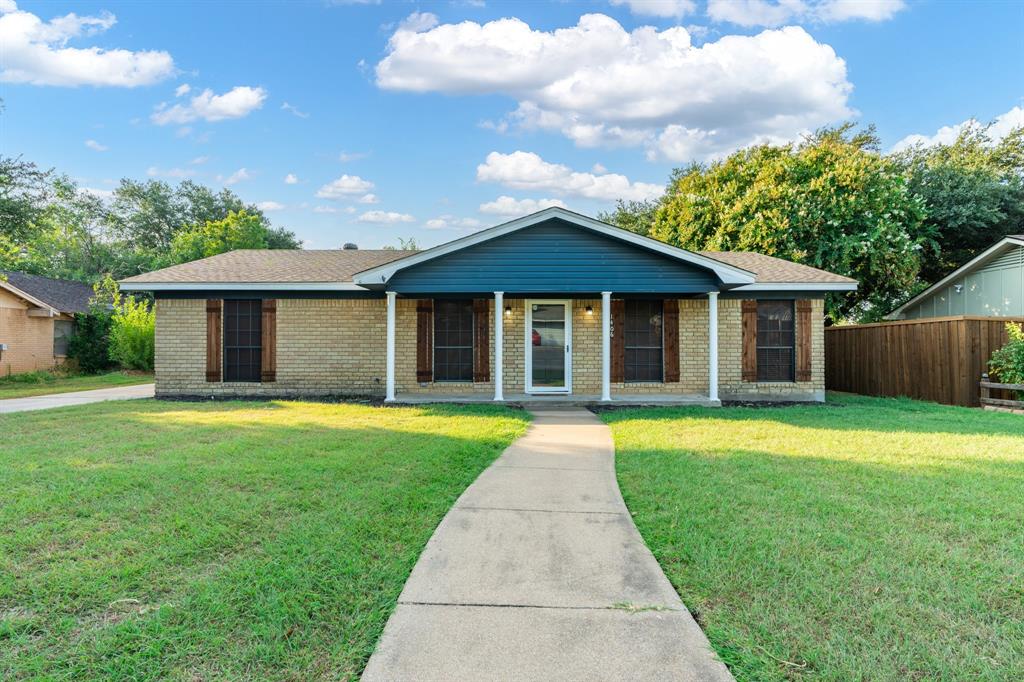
151 540
870 539
44 383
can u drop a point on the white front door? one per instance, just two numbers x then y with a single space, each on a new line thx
548 346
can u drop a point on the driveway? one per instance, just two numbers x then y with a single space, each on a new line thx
43 402
538 572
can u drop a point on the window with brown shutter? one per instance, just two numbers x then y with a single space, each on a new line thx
775 341
243 348
803 340
749 324
643 341
671 331
481 341
453 340
424 341
213 350
268 364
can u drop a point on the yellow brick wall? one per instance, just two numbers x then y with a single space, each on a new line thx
337 347
29 339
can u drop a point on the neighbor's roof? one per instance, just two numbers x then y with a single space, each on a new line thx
769 269
64 296
268 266
1008 242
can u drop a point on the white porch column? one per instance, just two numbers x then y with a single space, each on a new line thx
606 345
713 345
499 343
389 395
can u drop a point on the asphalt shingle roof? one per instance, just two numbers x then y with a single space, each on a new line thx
64 295
337 265
770 269
273 265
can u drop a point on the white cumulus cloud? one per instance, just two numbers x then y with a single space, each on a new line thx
96 146
37 52
270 206
659 8
509 206
291 179
778 12
344 187
368 198
237 102
997 130
385 218
599 84
182 90
235 178
450 221
528 171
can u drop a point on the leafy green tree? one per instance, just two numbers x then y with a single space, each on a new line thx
239 230
25 191
133 334
832 202
635 216
1007 363
973 193
404 245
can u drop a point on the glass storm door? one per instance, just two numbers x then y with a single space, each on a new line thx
549 349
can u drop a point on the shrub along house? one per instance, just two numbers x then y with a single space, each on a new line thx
554 304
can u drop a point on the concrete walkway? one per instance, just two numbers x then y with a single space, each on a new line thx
43 402
538 573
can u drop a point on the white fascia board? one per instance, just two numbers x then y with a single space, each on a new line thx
727 273
797 286
964 269
240 286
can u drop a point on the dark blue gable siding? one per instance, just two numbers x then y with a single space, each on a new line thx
551 258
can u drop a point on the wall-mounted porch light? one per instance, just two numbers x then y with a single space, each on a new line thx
590 310
508 311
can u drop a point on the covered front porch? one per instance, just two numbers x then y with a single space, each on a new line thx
540 349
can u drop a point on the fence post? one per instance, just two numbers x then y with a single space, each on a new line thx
984 389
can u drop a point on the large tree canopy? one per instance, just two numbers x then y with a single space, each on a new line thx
49 226
832 202
895 222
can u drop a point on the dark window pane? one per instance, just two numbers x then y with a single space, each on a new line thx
453 340
643 341
775 341
242 342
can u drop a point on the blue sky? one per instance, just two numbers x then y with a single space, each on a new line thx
432 119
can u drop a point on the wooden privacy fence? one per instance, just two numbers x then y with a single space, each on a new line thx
987 400
939 359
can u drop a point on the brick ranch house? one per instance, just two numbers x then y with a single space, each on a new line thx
37 317
554 305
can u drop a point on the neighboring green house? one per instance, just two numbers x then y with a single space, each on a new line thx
990 285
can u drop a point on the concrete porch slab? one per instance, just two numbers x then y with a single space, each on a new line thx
559 400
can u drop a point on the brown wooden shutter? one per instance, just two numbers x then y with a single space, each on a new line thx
749 340
213 349
803 340
268 331
670 332
481 340
618 340
425 341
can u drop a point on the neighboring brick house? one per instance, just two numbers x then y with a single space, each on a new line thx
552 305
37 319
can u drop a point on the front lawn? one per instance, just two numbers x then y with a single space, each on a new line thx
872 539
145 539
45 383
